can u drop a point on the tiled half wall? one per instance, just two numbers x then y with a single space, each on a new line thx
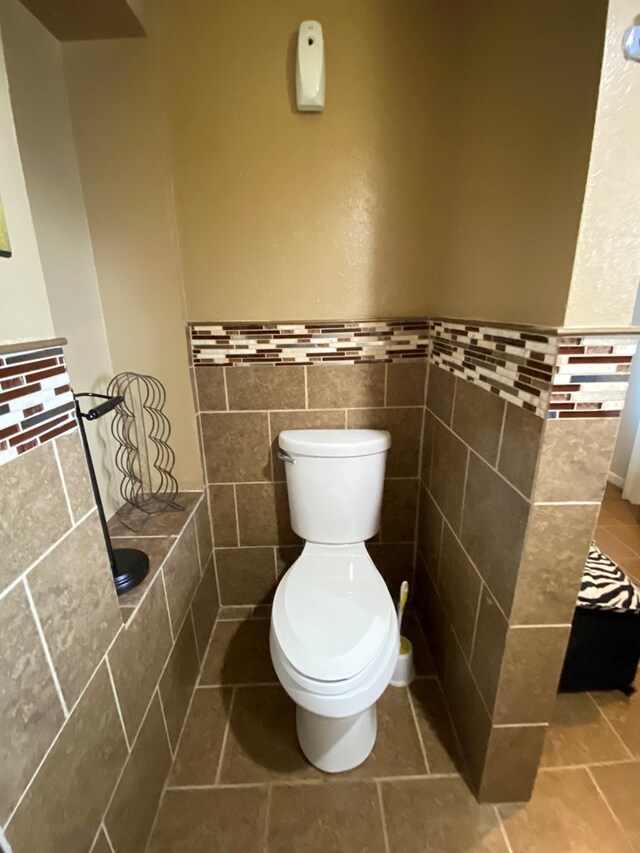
94 690
507 471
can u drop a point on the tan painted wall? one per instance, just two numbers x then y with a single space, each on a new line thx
517 130
290 216
24 308
119 135
43 126
446 174
607 264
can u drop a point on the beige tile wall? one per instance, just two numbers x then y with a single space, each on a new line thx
241 411
91 709
508 504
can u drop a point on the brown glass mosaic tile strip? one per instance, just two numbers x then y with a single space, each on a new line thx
40 406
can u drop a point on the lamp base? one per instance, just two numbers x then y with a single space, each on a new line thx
132 566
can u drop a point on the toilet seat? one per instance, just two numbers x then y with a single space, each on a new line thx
334 635
331 612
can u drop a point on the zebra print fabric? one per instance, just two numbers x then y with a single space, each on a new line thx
605 586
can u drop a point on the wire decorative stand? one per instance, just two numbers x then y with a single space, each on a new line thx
144 457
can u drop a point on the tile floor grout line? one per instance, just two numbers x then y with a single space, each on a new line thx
235 503
166 727
166 601
46 651
108 837
195 636
334 780
611 726
267 818
117 701
419 733
602 796
383 819
584 766
503 830
236 684
223 745
64 484
206 651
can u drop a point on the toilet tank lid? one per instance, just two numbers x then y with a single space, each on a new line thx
334 442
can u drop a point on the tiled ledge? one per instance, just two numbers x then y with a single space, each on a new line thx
156 535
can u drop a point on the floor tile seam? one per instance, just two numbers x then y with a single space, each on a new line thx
585 765
267 817
608 807
225 736
615 732
414 717
321 782
503 830
383 818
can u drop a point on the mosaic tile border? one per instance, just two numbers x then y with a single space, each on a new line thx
516 365
551 374
36 402
591 377
350 342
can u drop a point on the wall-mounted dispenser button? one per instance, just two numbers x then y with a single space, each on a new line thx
310 76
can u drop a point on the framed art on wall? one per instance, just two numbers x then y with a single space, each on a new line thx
5 246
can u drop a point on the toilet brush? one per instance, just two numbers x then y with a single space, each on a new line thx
404 671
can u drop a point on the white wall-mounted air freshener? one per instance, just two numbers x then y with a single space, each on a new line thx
310 77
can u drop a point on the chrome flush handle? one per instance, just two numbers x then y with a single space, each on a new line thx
286 457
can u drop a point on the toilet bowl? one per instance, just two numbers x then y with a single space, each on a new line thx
334 635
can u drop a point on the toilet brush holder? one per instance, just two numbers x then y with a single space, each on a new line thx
405 671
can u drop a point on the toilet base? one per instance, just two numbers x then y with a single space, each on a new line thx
336 744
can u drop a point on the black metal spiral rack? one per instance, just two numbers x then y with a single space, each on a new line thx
144 456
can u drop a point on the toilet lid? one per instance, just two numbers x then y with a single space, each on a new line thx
331 615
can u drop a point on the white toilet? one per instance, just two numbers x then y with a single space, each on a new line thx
334 633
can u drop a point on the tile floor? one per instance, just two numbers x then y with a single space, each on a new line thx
239 783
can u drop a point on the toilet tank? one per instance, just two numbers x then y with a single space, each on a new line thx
335 479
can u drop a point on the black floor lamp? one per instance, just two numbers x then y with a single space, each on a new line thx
128 565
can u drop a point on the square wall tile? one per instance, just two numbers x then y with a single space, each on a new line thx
511 765
395 564
448 472
77 605
345 386
430 523
441 390
135 801
488 648
406 383
470 716
205 607
319 419
236 446
427 448
178 681
575 458
477 419
459 586
210 387
30 710
203 531
181 572
494 522
530 672
76 474
246 575
65 803
521 442
263 514
399 505
553 559
33 510
223 516
139 654
405 426
262 387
